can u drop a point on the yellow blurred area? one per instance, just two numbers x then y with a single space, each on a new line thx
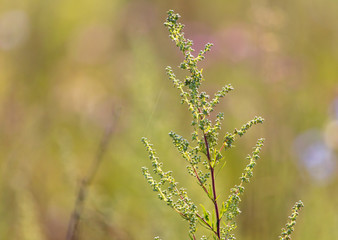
71 69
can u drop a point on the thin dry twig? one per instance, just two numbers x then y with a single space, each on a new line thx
72 232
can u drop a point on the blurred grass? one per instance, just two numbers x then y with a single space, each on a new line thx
67 66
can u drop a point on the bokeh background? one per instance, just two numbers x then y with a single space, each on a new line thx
72 69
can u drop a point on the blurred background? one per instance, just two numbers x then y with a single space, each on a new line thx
70 70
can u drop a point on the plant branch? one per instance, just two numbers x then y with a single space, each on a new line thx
197 214
199 180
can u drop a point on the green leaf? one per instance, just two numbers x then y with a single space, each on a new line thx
206 215
210 193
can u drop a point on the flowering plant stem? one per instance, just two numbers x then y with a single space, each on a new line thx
204 154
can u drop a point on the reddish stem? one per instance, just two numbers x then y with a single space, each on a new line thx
212 170
218 233
198 178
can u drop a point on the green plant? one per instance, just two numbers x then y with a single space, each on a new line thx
204 153
286 232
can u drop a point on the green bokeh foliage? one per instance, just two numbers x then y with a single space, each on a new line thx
71 65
